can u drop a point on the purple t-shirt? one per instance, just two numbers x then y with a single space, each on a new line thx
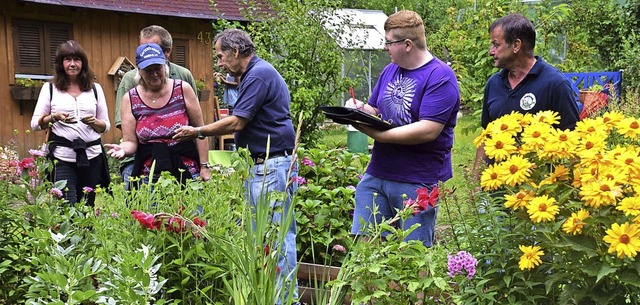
405 96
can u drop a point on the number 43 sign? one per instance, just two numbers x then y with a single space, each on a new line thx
204 37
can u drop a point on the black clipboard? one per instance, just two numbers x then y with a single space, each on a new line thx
350 116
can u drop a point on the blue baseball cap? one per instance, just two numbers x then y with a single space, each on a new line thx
149 54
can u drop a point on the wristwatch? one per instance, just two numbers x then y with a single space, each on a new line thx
200 135
206 164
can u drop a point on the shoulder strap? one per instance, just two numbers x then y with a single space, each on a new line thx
50 91
95 92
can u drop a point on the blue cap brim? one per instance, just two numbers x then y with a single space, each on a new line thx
154 61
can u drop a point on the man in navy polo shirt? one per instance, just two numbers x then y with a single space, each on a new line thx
525 82
261 115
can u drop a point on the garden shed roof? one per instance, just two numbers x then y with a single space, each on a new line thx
365 28
198 9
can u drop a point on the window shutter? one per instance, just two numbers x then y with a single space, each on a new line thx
56 34
27 37
180 52
35 44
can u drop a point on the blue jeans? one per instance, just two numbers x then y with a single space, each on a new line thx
388 199
126 169
273 175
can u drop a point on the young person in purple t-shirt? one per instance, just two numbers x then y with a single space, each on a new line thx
418 94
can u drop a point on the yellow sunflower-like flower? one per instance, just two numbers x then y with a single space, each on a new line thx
623 239
611 118
483 136
517 170
575 223
590 126
560 173
491 178
500 146
506 124
547 116
561 144
530 257
535 136
628 160
630 206
600 192
542 208
591 144
518 200
629 127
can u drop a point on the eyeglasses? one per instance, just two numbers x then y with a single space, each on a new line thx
387 43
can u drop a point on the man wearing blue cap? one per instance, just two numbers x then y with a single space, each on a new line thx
160 36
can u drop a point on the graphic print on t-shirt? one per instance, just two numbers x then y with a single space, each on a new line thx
397 100
528 101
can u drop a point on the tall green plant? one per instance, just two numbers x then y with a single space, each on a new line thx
291 35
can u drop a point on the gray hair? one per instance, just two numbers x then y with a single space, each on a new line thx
166 41
234 39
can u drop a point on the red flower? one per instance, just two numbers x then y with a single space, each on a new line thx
176 224
27 163
423 200
199 222
147 220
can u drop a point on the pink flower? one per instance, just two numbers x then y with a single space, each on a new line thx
87 190
301 180
308 162
37 153
339 248
56 192
424 199
462 263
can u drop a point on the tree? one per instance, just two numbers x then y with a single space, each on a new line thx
291 36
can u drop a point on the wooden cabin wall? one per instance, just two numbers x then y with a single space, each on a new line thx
105 36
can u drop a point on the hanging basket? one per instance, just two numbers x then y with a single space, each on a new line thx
203 95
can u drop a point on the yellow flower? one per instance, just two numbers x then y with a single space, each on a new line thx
590 126
590 144
611 118
491 178
530 257
542 208
623 239
575 223
535 136
519 200
560 144
560 173
517 170
629 127
600 192
630 206
547 116
628 160
506 124
500 146
484 135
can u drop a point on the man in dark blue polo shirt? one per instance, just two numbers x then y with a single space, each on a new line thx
261 116
525 83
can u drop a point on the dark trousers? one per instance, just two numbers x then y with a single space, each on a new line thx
79 177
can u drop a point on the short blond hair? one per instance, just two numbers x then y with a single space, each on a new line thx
407 25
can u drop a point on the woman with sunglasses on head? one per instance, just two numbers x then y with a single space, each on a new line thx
151 112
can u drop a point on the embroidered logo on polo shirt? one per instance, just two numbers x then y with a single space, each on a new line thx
528 101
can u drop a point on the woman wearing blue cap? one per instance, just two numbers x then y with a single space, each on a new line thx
151 112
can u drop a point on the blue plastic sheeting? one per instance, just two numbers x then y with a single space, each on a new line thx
584 80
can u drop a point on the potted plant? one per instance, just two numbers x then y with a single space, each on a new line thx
26 89
203 91
592 99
